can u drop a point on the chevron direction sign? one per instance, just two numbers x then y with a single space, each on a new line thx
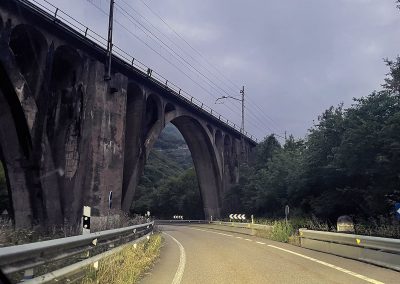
237 216
178 217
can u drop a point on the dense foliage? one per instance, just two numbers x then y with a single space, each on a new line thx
169 185
349 163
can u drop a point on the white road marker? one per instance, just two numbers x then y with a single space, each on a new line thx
212 232
261 243
182 262
239 237
370 280
248 240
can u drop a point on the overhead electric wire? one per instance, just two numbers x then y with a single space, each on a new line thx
127 14
253 119
178 46
172 50
203 57
145 43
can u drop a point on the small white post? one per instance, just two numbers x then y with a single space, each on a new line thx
252 218
86 220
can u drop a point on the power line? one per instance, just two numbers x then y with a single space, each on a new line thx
253 122
145 43
172 50
203 57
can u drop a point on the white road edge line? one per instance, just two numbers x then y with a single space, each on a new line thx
331 266
212 232
261 243
182 262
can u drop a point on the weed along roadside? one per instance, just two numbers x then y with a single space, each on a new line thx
128 265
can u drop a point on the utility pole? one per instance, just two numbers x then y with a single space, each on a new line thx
107 77
242 101
242 125
242 92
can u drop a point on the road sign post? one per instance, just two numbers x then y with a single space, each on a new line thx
286 213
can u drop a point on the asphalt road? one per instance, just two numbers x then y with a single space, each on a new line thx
200 254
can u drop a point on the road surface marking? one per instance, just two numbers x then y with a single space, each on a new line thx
182 262
212 232
330 265
239 237
261 243
248 240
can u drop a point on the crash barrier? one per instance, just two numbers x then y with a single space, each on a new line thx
375 250
37 262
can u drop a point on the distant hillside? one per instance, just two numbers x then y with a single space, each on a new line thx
169 182
170 138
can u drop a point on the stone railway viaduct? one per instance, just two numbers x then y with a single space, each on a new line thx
58 112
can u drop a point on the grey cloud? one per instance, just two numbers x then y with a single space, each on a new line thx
295 57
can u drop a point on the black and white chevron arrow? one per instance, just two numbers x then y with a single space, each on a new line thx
237 216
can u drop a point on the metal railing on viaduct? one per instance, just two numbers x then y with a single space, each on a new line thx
47 10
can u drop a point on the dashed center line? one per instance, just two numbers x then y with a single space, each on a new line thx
261 243
248 240
239 237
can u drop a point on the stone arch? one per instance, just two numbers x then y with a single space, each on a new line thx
67 66
169 112
152 112
63 126
29 47
169 108
15 153
210 128
227 146
205 163
134 157
218 139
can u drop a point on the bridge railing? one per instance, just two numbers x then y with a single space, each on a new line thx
28 259
50 11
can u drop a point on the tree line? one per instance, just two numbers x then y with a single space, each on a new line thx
348 163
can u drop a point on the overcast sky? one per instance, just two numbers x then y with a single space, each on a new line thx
295 57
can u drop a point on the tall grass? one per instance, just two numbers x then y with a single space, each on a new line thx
289 232
126 266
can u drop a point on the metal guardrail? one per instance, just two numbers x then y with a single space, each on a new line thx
15 259
244 225
58 17
174 222
230 224
379 251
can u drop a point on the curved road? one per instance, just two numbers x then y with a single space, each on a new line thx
200 254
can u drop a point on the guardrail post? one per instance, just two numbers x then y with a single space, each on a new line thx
28 274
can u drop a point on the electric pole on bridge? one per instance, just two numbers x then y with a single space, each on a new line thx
107 77
242 101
